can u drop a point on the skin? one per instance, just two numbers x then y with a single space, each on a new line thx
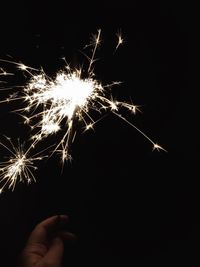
45 246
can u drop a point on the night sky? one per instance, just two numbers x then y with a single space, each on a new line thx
126 203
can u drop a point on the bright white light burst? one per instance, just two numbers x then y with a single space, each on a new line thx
18 167
58 104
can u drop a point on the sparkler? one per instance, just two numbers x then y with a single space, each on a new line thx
59 104
18 167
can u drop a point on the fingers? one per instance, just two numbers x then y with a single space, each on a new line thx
55 253
56 250
46 228
46 242
38 235
54 222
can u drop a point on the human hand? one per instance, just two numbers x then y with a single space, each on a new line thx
45 246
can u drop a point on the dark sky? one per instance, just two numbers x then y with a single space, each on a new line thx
125 202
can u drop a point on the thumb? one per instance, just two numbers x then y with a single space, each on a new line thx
55 253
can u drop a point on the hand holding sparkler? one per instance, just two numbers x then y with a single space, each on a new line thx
45 245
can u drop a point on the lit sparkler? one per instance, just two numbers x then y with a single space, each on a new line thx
58 104
18 167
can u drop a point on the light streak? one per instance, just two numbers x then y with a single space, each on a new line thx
120 39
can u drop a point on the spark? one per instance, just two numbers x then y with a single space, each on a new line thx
4 73
120 39
89 126
158 147
63 103
95 43
18 167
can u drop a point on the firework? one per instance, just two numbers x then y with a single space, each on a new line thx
63 104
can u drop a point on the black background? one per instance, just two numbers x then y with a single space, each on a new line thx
126 203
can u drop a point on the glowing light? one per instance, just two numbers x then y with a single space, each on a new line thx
59 104
157 147
4 73
120 39
18 167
